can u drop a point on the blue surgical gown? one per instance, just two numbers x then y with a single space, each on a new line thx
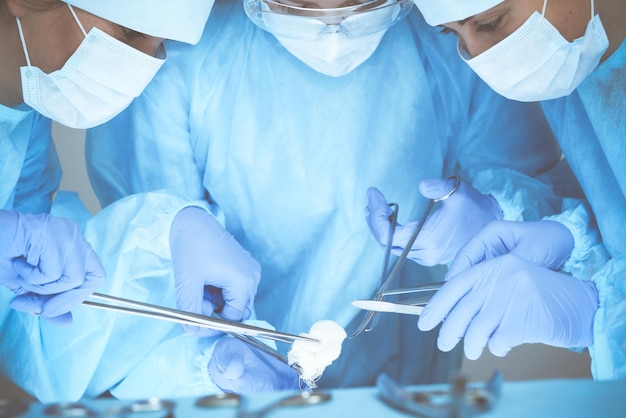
286 155
131 357
590 125
101 351
30 171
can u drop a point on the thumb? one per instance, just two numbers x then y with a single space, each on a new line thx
435 188
377 214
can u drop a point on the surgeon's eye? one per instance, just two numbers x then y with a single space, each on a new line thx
445 30
489 27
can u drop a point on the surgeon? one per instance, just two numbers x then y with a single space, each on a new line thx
281 118
79 63
547 282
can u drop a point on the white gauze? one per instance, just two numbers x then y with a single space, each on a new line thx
312 357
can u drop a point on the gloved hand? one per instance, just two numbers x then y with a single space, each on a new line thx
47 263
546 243
508 301
445 231
212 272
237 367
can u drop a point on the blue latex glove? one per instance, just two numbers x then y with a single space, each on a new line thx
508 301
213 273
237 367
445 231
47 263
546 243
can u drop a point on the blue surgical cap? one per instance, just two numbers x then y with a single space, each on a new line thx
179 20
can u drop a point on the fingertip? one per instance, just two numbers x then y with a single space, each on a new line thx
445 344
27 302
235 368
425 323
433 188
500 346
472 353
232 313
62 321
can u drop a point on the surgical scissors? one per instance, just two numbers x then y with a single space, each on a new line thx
387 280
173 315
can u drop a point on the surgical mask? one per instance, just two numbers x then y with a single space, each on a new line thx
331 41
97 82
334 55
536 63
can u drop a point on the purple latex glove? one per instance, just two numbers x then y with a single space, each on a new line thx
445 231
508 301
213 273
47 263
546 243
237 367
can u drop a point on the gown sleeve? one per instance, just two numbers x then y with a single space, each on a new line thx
41 173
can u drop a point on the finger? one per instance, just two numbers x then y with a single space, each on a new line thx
238 301
95 275
506 336
458 320
402 235
377 214
445 299
478 334
227 364
208 308
490 319
28 302
500 344
28 274
472 253
494 240
61 303
62 321
435 188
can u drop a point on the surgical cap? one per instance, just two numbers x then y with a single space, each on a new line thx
438 12
179 20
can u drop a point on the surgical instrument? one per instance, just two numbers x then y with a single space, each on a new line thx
80 410
412 306
379 295
383 306
455 400
188 318
299 399
220 400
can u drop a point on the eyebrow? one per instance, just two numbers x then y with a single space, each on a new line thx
467 19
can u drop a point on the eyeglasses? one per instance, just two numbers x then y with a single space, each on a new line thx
311 24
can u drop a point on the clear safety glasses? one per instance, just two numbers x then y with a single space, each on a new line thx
304 23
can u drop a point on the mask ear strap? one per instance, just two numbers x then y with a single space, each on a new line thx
76 19
592 4
543 10
19 29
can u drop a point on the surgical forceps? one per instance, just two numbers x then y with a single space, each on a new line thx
243 332
387 280
173 315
